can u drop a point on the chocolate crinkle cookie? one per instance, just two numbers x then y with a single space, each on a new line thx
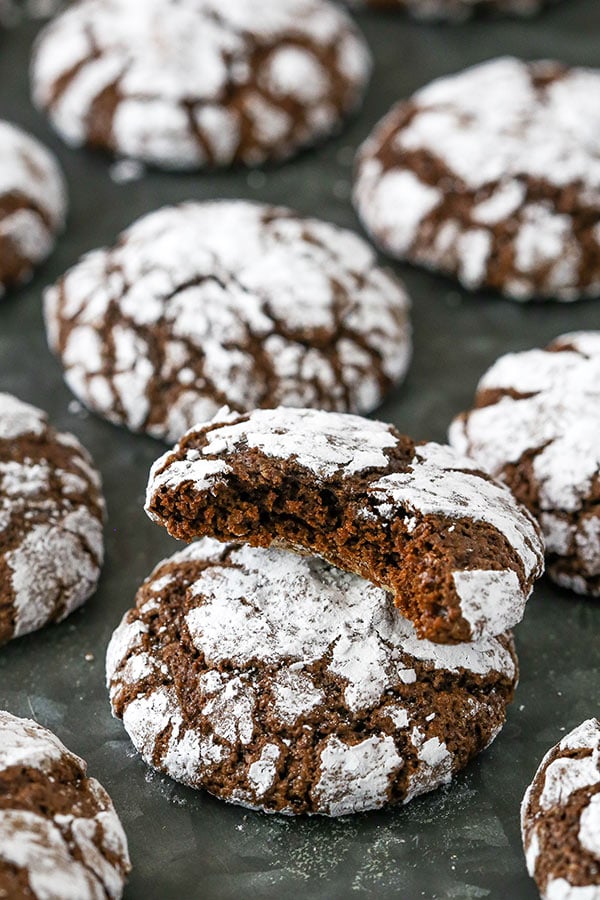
492 176
60 837
280 683
560 818
183 84
536 426
455 10
457 552
32 204
234 303
51 517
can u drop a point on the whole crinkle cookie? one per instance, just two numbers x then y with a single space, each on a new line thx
536 426
32 204
453 546
51 516
560 818
60 837
456 10
492 176
281 683
183 84
233 303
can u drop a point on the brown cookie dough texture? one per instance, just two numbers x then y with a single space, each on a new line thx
457 552
278 682
456 10
184 84
560 818
208 304
536 426
32 204
492 176
60 836
51 515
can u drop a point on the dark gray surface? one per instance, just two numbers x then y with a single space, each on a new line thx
461 842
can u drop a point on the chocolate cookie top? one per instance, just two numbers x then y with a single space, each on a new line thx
188 83
51 514
453 546
233 303
60 836
536 426
279 682
456 10
492 175
32 204
560 818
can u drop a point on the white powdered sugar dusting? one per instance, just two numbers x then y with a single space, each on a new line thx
175 65
26 744
194 289
589 827
356 777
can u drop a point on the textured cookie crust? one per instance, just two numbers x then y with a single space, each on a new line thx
536 426
492 176
60 836
457 552
278 682
456 10
183 84
51 515
560 818
202 305
32 204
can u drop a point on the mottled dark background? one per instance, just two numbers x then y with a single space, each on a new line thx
459 843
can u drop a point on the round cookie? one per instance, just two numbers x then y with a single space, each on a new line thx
32 204
560 818
456 10
184 84
207 304
457 552
51 515
536 426
492 176
277 682
60 837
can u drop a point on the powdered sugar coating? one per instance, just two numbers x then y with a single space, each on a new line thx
78 854
468 175
545 413
437 482
285 633
32 204
560 817
232 302
456 10
51 513
197 82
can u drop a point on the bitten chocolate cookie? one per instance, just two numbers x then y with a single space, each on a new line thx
536 426
32 204
183 84
278 682
492 176
457 552
456 10
207 304
560 818
60 837
51 514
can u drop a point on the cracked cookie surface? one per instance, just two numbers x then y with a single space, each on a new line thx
492 176
32 204
184 84
536 426
278 682
453 546
228 303
60 836
560 818
51 517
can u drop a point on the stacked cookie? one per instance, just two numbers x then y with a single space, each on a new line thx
275 669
